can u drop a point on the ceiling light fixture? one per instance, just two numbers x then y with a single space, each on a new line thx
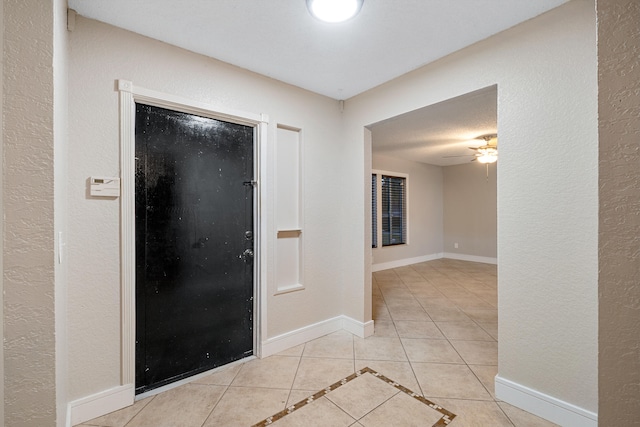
487 155
334 11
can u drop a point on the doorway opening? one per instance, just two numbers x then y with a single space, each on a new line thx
452 201
449 256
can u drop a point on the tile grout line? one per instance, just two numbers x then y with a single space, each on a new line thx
393 322
408 359
227 387
506 415
140 411
459 355
304 346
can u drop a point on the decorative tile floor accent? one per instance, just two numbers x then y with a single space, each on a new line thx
445 416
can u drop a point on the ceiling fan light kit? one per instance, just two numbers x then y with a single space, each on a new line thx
334 11
488 158
487 153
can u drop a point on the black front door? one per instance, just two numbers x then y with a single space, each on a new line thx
194 244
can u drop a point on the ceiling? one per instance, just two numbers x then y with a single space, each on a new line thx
280 39
447 128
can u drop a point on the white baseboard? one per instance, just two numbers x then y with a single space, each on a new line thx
408 261
544 406
300 336
96 405
357 328
404 262
473 258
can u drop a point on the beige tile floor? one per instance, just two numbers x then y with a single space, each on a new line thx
435 333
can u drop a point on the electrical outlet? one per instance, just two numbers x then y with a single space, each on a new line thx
455 245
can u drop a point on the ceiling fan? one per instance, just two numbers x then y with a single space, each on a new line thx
487 153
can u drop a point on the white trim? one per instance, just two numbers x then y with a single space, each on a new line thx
473 258
403 262
544 406
357 328
127 231
390 173
99 404
300 336
128 96
261 256
379 173
408 261
299 226
186 105
288 289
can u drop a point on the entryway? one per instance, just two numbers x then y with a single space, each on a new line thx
445 350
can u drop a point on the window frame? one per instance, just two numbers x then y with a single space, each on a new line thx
378 227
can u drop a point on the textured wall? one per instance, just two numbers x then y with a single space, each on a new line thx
60 155
619 245
470 209
424 210
546 73
28 257
1 208
100 54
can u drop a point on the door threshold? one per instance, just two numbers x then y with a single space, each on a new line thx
191 378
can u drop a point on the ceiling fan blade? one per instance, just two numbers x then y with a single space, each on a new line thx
463 155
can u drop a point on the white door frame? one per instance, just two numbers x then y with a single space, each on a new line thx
129 95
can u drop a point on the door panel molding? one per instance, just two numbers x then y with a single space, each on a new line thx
128 96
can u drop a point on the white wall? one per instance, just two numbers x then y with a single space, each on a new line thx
470 209
545 70
546 75
424 212
447 205
100 54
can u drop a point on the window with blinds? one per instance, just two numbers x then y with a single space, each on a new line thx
374 210
394 210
